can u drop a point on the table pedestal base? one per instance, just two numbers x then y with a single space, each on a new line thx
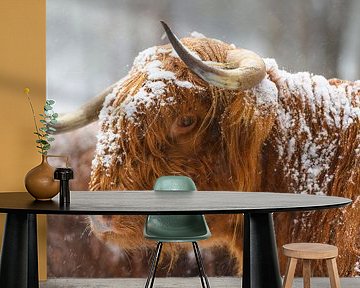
19 262
260 266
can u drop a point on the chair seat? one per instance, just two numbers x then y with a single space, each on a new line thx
310 250
177 228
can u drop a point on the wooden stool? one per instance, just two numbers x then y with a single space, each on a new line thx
308 251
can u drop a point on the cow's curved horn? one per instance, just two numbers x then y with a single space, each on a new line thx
86 114
247 68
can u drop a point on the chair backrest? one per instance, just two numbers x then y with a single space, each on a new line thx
166 223
174 183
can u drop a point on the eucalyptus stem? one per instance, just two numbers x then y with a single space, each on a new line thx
27 90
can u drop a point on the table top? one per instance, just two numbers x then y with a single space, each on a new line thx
168 202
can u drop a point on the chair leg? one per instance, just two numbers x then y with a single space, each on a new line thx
333 273
154 263
306 273
200 264
290 271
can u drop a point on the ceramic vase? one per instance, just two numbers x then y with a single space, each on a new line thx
39 181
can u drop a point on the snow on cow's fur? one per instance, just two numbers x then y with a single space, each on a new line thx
291 133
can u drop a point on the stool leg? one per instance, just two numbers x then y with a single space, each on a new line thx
290 271
154 263
306 273
333 273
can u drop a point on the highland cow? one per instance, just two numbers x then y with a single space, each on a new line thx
233 121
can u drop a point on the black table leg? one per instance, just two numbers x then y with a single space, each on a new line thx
261 266
19 261
33 273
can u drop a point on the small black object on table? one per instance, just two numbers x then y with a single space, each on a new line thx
260 268
64 175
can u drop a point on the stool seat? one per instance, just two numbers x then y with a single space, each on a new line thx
307 252
310 250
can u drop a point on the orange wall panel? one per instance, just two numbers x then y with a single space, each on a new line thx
23 64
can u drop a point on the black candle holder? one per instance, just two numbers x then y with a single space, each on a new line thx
64 175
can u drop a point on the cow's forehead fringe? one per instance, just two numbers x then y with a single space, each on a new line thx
151 92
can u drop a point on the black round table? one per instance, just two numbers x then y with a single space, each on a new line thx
260 268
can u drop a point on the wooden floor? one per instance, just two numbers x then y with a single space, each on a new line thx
223 282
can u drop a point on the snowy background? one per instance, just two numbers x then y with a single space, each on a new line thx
92 43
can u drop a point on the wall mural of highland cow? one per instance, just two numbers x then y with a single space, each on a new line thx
230 120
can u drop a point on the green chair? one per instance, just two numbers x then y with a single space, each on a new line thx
176 228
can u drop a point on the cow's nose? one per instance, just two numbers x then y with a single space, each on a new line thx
100 224
107 217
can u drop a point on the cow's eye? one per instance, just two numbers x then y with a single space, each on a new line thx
186 121
183 125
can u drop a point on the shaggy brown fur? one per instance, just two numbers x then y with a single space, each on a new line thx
340 227
223 140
